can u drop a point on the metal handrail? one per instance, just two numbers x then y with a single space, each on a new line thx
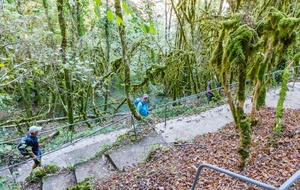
258 183
67 145
290 181
204 92
191 97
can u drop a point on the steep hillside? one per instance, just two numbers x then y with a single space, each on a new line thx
175 168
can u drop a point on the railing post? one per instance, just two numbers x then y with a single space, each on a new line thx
295 76
249 180
72 134
166 115
132 124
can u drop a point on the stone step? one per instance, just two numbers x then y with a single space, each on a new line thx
59 181
136 152
96 168
73 154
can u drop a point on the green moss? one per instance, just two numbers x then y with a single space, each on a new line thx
232 23
216 60
244 148
280 108
287 26
262 91
296 57
252 72
261 101
82 186
40 172
239 47
133 138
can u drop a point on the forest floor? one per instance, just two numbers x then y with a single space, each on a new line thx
271 162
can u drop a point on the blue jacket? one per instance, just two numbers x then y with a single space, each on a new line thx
142 108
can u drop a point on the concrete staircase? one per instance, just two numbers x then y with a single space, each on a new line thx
82 160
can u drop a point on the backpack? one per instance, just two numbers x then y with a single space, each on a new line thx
22 146
137 101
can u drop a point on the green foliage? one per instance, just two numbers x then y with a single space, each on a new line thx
133 138
5 100
233 23
40 172
120 138
120 21
82 186
6 185
296 57
110 15
98 2
7 152
126 8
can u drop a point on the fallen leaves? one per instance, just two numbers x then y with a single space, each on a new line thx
175 168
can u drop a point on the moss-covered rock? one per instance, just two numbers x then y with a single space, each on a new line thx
82 186
40 172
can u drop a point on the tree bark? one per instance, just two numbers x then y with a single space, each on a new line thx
64 43
125 60
106 26
221 7
259 83
78 17
50 25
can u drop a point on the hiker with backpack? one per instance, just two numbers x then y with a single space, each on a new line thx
142 105
209 93
29 145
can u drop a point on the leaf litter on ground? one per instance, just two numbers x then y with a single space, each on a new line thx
175 167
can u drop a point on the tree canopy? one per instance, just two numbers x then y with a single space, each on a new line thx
79 59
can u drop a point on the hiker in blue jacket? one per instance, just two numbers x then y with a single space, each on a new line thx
142 106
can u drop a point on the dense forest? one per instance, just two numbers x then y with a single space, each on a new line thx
81 59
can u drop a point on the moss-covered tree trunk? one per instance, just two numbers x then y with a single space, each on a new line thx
280 108
279 32
259 93
50 25
25 99
106 27
239 47
83 99
63 49
242 118
78 7
126 61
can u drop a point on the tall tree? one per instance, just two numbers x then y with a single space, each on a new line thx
126 61
278 31
63 49
239 47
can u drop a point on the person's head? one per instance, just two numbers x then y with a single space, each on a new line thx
34 130
145 98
